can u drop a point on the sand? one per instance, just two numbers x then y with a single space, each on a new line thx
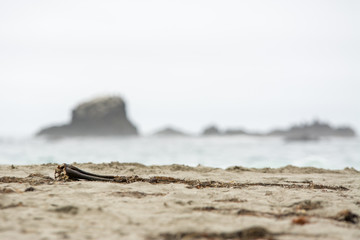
284 203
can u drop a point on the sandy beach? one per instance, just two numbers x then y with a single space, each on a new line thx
235 203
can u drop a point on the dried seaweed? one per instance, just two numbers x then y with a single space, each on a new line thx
136 194
13 205
234 200
296 186
245 234
207 208
32 179
7 190
73 210
306 205
302 216
66 172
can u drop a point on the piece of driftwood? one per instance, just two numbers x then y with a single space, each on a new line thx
69 172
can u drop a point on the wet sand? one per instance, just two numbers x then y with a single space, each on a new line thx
236 203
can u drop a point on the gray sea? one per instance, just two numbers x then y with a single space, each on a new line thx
220 151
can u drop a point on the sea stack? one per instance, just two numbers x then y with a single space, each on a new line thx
313 131
211 131
103 116
169 131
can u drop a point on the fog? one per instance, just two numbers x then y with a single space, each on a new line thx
252 64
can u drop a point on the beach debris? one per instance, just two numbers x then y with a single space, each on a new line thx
247 212
9 190
12 205
306 205
136 194
29 189
300 186
302 220
73 210
183 203
347 216
234 200
245 234
207 208
301 217
32 179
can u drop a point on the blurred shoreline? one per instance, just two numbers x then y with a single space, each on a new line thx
212 151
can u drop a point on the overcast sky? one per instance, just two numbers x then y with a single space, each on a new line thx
186 63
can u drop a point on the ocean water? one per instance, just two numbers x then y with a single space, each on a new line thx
222 152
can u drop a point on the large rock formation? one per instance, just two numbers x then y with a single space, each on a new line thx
211 131
235 132
169 131
105 116
313 131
